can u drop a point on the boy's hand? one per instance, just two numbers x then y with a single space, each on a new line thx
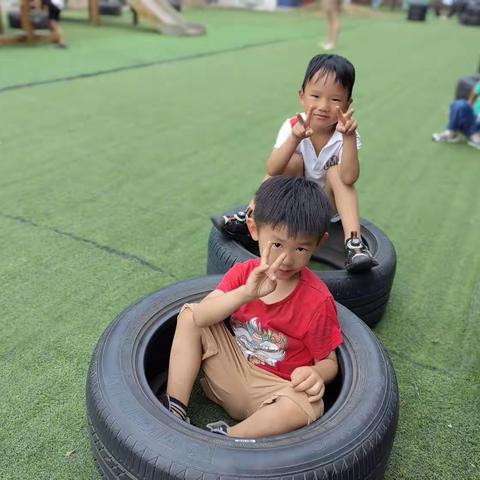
346 124
302 128
308 380
261 280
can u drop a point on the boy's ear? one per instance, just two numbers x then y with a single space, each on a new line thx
252 228
323 240
301 95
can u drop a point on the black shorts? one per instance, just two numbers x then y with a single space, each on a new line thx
53 10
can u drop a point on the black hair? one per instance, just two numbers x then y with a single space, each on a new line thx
294 202
343 70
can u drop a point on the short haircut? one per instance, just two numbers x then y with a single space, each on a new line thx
324 64
296 203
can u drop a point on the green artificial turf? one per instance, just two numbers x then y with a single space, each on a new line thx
107 183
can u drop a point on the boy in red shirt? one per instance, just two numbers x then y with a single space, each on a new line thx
271 372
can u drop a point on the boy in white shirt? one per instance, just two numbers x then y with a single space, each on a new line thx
321 144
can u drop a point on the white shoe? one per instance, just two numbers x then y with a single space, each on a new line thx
474 141
448 136
327 46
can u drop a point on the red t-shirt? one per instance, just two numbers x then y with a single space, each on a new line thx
292 333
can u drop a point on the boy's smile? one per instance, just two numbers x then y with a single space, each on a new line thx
324 94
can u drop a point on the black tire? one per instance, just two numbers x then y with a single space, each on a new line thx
365 294
39 20
110 7
134 437
469 12
465 85
417 12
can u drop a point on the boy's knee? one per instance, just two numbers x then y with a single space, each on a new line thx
185 317
293 410
303 411
460 104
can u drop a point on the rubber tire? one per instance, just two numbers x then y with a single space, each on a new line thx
110 7
469 13
365 294
39 19
134 437
465 85
417 12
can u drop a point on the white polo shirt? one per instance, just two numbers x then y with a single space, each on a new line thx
316 166
60 4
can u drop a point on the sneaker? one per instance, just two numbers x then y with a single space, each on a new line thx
474 141
327 46
358 256
219 427
232 225
448 136
235 227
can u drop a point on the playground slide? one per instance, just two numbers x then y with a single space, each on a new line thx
165 18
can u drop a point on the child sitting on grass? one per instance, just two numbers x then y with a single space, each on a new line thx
268 368
322 145
464 121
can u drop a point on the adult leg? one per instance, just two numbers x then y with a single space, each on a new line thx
185 357
333 20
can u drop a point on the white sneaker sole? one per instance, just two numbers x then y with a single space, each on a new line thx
474 145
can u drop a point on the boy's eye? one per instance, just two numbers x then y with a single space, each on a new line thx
302 249
276 245
314 96
336 99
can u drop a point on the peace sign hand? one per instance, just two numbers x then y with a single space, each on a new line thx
262 280
302 128
347 125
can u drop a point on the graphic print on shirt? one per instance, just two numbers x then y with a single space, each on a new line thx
261 347
331 162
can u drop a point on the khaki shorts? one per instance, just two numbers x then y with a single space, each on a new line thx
237 385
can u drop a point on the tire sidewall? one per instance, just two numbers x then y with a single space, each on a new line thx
133 426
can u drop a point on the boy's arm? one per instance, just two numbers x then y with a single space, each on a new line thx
218 305
349 168
313 378
327 368
279 158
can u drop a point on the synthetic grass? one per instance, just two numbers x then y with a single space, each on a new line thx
107 184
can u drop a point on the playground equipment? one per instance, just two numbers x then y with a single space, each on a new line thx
30 20
159 12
